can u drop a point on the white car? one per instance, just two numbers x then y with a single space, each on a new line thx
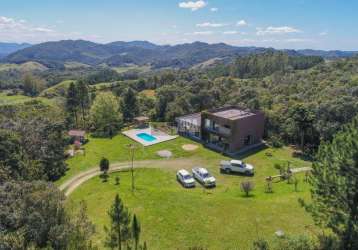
236 166
204 177
185 178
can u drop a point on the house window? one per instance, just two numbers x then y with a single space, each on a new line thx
207 123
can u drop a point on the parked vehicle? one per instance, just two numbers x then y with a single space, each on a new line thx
185 178
236 166
204 177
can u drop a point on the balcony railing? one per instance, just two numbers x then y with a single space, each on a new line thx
219 130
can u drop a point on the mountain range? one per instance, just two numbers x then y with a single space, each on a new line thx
56 54
8 48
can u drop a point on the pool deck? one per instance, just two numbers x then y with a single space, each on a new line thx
159 135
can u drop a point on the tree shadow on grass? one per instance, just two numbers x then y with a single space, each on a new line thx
251 152
301 155
247 196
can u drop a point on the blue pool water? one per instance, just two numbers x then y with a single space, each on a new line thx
146 137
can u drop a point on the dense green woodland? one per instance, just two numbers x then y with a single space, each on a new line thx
307 102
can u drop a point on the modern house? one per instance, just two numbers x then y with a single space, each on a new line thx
228 129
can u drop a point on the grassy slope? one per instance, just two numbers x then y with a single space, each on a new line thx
24 67
58 90
173 217
20 99
135 68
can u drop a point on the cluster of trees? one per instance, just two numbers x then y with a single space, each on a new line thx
265 64
77 104
33 85
32 209
33 216
32 143
103 113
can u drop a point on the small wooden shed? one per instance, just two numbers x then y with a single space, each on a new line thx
77 135
141 121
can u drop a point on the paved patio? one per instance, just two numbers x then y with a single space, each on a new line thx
158 135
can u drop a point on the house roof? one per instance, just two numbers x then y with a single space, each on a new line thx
79 133
232 113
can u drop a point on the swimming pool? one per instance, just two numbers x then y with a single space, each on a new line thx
146 137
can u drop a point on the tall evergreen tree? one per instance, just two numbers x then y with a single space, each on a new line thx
119 233
136 231
129 105
72 102
302 119
334 189
83 99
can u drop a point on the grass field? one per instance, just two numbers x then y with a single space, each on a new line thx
116 151
19 99
175 218
133 68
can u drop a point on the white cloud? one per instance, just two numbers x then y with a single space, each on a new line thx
276 30
241 23
19 30
193 5
44 30
212 25
289 40
298 40
200 33
230 32
214 9
323 33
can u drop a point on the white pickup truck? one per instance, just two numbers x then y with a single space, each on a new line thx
236 166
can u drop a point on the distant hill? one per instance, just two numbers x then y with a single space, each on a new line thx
8 48
58 54
55 54
331 54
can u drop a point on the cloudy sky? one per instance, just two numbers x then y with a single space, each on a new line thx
318 24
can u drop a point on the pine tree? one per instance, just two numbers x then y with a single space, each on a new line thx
72 102
302 119
129 105
136 231
334 191
83 99
119 232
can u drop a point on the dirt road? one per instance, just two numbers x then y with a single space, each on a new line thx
70 185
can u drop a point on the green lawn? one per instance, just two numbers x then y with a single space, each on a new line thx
172 217
116 151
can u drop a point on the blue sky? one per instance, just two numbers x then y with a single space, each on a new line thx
317 24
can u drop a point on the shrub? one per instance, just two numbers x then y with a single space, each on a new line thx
247 187
260 244
117 180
